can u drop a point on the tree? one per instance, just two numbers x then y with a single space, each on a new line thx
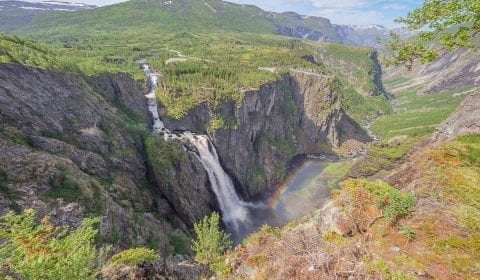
43 251
211 243
444 24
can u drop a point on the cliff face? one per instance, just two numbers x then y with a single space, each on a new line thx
465 120
297 114
72 147
451 70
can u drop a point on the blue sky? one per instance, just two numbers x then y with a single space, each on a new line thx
338 11
343 11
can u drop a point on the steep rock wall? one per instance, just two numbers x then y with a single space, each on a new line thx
298 114
73 146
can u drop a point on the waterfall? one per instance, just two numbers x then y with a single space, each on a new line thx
234 210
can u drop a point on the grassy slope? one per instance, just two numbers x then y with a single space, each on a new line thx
416 114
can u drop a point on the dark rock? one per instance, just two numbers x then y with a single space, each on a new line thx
298 114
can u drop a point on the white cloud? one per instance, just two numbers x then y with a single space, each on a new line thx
352 16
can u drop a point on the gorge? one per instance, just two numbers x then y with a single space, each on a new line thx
240 217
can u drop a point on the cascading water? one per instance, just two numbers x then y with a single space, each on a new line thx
240 217
235 212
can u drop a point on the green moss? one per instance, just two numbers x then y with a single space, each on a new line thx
14 135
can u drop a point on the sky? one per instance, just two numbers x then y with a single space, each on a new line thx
358 12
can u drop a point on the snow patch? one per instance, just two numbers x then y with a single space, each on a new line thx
65 3
33 8
368 26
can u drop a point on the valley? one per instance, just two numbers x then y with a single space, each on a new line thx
212 140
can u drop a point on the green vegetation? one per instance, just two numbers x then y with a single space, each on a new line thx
418 114
355 65
163 155
363 108
134 256
447 23
204 56
408 233
178 243
16 50
393 203
382 157
43 251
211 244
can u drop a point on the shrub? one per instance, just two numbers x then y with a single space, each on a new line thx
178 243
393 203
211 244
44 251
134 256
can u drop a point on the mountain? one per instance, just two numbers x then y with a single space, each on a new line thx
367 35
188 15
14 14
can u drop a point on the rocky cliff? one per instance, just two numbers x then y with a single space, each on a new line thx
451 70
298 114
465 120
73 146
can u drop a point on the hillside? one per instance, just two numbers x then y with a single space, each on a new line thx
15 14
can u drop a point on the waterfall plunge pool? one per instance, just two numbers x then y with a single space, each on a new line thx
307 186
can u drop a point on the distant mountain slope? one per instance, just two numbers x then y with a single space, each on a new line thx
181 16
14 14
367 35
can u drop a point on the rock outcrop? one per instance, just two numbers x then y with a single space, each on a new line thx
465 120
298 114
73 146
451 70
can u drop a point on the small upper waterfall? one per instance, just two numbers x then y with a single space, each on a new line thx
234 210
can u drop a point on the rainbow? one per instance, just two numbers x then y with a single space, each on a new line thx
282 188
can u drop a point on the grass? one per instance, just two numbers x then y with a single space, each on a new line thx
383 157
393 203
418 114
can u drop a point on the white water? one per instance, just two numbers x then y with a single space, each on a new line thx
234 210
